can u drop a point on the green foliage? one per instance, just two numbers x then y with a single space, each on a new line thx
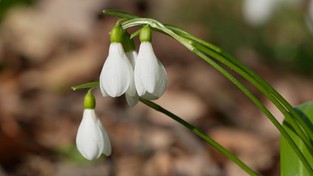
290 163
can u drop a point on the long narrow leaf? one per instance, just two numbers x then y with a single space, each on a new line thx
86 85
290 163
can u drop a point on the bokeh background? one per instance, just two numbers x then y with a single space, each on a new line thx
48 46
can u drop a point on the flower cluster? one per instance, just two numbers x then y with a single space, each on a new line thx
126 72
123 72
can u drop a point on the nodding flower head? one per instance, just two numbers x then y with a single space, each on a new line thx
140 75
92 139
150 75
117 71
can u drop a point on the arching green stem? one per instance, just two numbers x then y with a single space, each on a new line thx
201 134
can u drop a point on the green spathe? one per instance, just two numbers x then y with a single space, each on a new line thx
116 35
145 34
89 100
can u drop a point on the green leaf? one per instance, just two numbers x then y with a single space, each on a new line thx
86 85
290 163
120 14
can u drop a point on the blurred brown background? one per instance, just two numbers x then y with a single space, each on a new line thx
48 46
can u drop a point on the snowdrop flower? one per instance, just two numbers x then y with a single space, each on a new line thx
117 72
92 139
129 47
149 74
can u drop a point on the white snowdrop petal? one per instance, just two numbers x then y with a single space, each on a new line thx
132 55
131 100
138 81
91 139
131 93
151 69
162 84
150 75
149 96
106 150
116 73
145 69
103 92
138 74
87 138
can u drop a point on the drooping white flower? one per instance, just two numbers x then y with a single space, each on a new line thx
149 74
131 93
117 72
92 139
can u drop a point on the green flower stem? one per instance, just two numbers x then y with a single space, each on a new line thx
201 134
